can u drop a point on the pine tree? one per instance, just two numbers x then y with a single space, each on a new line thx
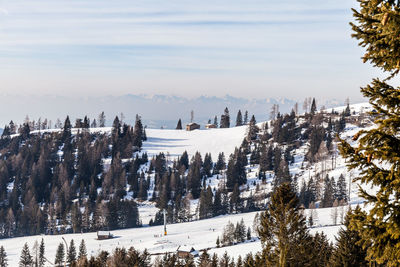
246 118
225 119
252 130
60 255
179 125
102 119
25 259
239 119
208 164
138 133
224 261
41 253
313 107
328 197
240 231
283 229
347 111
204 259
71 257
282 174
239 262
216 121
220 165
341 193
320 250
67 129
82 250
228 235
3 257
236 204
248 233
377 151
214 261
347 251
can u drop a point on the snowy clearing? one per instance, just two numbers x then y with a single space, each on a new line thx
175 142
198 234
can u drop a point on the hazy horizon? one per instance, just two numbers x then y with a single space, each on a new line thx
156 111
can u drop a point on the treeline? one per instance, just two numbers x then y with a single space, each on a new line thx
45 124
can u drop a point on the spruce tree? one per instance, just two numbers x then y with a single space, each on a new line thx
102 119
60 255
328 197
248 233
179 125
204 260
225 119
25 259
341 193
41 253
82 250
3 257
320 251
347 111
283 228
71 257
313 107
252 130
67 129
348 252
377 152
239 119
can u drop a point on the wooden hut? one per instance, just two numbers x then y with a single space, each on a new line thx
210 126
101 235
192 126
184 253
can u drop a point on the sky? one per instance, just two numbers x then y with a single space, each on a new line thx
244 48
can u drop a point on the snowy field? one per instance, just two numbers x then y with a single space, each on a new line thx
198 234
175 142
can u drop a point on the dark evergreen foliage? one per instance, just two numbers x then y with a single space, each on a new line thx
225 119
283 231
376 153
60 255
239 118
3 257
179 125
25 259
348 251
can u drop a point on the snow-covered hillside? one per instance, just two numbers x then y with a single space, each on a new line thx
203 234
198 234
175 142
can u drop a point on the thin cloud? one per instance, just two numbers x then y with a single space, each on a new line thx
3 11
221 45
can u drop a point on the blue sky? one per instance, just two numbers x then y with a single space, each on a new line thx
245 48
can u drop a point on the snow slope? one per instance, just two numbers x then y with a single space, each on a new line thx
198 234
175 142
